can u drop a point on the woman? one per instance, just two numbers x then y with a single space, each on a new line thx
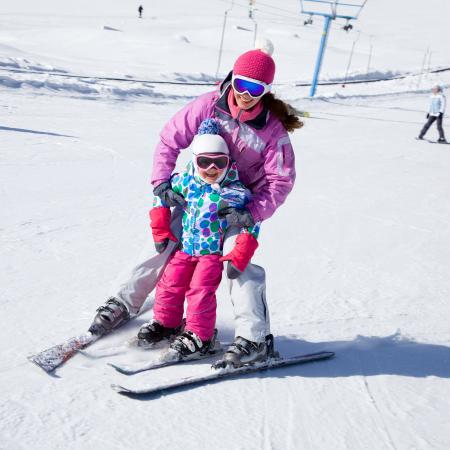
255 126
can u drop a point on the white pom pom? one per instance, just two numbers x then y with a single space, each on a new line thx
264 45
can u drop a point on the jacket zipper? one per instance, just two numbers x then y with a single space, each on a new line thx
195 221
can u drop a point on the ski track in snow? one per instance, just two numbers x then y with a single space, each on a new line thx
357 260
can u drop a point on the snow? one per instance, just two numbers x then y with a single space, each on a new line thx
357 259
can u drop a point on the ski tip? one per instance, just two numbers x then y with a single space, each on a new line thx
122 390
118 388
329 354
119 369
35 361
48 369
322 355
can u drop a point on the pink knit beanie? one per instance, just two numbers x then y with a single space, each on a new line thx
256 64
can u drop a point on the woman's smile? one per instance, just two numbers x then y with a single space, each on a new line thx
245 101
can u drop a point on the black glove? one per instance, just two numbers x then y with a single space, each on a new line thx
232 272
428 115
161 246
168 196
237 217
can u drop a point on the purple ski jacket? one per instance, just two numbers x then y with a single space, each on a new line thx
260 147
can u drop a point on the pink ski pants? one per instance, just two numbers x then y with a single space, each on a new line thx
195 278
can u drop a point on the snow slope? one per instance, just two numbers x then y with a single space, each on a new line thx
357 260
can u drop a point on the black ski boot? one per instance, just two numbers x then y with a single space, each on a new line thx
189 346
153 332
242 352
111 315
442 141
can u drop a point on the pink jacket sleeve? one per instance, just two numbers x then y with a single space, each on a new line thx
177 134
279 168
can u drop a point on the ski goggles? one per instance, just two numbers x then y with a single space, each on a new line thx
245 85
219 161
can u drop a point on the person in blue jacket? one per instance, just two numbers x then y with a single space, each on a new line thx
435 113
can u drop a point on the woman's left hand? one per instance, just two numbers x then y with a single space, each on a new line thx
237 217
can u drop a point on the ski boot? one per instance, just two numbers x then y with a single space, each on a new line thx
111 315
189 346
244 352
442 141
153 332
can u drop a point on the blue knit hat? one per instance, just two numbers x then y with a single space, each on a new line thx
208 126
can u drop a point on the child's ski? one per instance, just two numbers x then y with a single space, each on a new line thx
217 374
114 350
168 359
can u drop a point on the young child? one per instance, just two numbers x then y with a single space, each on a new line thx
436 112
210 184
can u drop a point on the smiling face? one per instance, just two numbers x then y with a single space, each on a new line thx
211 167
210 175
245 101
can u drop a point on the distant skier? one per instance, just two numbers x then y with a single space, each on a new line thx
435 113
141 10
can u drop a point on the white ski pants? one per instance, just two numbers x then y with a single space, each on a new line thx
248 292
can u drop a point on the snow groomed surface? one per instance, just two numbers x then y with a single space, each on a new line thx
357 259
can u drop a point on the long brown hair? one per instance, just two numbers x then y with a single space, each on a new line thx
286 113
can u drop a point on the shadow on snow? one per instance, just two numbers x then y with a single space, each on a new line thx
372 355
24 130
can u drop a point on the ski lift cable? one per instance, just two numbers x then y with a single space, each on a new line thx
294 16
266 5
213 83
336 26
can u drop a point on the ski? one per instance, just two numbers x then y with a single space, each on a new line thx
168 358
218 374
433 142
53 357
165 360
113 350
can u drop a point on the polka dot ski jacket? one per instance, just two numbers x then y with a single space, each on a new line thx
203 230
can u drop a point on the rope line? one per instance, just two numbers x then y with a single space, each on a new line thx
214 83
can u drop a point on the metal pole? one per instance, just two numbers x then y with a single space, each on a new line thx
370 55
350 60
323 43
255 30
225 16
423 67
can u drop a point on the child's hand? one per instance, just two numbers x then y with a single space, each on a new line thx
160 224
161 246
240 256
168 196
